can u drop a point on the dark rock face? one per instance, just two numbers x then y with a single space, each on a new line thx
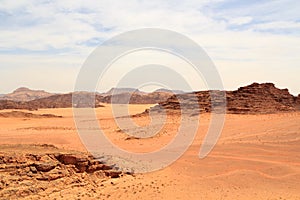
253 99
9 104
297 99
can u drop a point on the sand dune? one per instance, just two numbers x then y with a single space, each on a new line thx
256 157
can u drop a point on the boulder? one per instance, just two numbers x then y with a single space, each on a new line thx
44 167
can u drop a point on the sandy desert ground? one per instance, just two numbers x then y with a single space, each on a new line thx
256 157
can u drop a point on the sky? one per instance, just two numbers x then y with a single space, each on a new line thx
44 43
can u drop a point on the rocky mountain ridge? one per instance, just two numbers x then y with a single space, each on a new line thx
252 99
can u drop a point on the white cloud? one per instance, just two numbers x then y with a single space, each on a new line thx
278 25
54 34
240 20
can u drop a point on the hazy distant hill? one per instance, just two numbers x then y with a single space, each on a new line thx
169 91
25 94
137 98
117 91
81 99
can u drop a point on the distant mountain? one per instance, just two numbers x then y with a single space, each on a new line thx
169 91
25 94
86 99
117 91
81 99
137 98
134 96
252 99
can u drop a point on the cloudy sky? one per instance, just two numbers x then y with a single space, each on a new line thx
44 43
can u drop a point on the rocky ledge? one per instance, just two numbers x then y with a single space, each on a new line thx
27 174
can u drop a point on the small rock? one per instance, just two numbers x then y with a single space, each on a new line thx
93 168
49 177
82 166
67 159
33 169
44 167
113 174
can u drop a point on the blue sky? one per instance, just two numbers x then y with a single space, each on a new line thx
44 43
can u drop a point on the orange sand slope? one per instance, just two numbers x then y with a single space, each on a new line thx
256 157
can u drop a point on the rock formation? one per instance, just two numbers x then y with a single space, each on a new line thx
260 98
253 99
31 173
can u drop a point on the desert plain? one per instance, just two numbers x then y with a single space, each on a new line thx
256 157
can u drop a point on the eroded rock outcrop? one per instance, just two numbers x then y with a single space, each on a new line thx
24 174
252 99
